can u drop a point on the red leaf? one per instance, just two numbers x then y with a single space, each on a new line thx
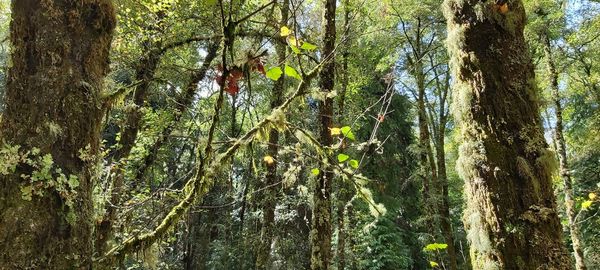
236 74
232 88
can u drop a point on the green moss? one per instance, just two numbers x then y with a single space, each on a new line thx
547 162
524 169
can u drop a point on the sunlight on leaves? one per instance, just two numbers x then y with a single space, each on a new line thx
269 160
274 73
308 46
285 31
435 246
354 163
290 71
335 131
585 205
347 132
342 157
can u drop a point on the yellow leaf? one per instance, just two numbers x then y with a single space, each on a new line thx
285 31
335 131
433 264
269 160
592 196
503 8
293 41
586 204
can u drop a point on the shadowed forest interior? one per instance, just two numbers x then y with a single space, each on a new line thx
300 134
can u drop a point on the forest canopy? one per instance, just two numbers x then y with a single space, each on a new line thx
300 134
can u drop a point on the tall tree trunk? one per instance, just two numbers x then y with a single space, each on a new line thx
53 103
344 191
511 215
270 197
320 234
426 161
561 149
439 134
444 207
427 168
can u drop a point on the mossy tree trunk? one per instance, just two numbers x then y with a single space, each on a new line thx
270 197
344 191
53 103
320 234
561 148
511 216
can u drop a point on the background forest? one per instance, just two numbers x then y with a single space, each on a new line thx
293 134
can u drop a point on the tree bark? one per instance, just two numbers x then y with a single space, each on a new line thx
561 149
442 178
53 100
511 216
444 207
320 234
270 197
344 190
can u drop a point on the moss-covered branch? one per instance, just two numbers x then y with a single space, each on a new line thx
201 183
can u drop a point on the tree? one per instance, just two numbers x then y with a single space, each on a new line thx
422 27
511 214
320 234
562 157
267 229
52 121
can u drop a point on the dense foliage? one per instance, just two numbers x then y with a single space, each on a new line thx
213 119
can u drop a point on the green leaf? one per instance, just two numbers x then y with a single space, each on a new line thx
342 157
315 171
274 73
435 246
433 264
308 46
353 163
347 132
290 71
295 49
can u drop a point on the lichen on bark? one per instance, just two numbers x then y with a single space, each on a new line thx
511 218
59 60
